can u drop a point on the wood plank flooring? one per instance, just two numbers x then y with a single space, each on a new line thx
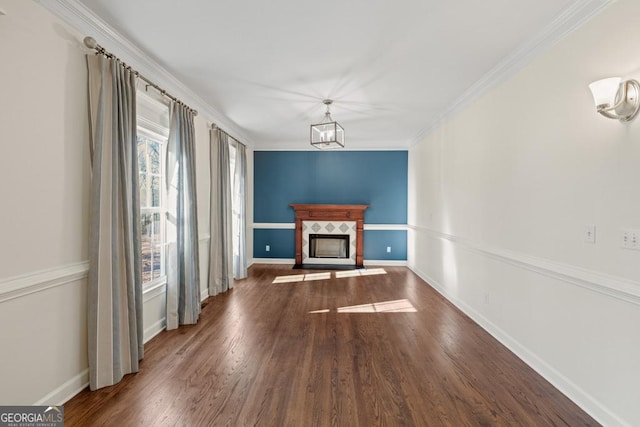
258 356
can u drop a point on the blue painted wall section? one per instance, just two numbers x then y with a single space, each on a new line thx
377 241
281 242
375 178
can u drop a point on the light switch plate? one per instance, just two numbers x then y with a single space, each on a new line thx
589 233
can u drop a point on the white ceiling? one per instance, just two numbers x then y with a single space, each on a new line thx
391 68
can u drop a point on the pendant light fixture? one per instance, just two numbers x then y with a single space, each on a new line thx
328 134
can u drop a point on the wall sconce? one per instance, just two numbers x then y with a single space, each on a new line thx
616 99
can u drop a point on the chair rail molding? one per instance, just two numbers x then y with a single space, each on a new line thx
618 287
292 226
29 283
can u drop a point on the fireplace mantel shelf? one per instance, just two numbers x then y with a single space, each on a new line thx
318 212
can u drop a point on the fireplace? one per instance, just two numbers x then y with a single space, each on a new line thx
336 230
329 246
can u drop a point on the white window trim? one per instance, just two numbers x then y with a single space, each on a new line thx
150 125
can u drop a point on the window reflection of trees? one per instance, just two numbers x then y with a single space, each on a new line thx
151 218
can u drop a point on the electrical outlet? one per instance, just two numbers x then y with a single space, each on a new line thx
630 239
589 233
267 248
625 239
388 249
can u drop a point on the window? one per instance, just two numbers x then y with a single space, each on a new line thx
152 210
153 132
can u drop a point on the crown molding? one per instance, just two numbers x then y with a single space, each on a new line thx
572 18
81 18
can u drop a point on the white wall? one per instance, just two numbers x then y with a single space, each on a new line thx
45 177
43 221
499 195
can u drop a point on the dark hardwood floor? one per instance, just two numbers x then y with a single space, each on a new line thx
258 356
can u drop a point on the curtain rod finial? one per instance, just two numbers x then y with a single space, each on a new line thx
90 42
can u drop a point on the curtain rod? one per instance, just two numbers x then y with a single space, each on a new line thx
91 43
216 127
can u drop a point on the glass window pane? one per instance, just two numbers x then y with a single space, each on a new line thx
144 188
157 232
155 191
154 156
156 264
146 245
152 215
142 155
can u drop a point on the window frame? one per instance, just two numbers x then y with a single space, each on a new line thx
147 134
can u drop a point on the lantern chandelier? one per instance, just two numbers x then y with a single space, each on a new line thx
328 134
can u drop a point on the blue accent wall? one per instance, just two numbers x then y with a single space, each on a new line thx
377 241
281 242
375 178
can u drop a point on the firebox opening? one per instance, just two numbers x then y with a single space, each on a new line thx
329 245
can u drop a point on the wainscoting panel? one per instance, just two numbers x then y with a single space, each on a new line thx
555 317
377 237
44 351
376 243
281 242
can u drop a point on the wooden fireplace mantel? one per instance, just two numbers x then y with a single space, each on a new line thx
313 212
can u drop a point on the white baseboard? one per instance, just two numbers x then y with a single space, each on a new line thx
385 263
579 396
154 329
66 391
273 261
373 262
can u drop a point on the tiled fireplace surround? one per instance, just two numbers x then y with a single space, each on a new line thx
336 228
331 220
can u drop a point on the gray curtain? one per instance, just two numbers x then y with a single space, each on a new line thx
221 243
183 276
115 336
239 209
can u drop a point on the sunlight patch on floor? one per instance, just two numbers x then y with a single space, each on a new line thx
372 271
347 273
364 272
289 279
396 306
317 276
327 275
